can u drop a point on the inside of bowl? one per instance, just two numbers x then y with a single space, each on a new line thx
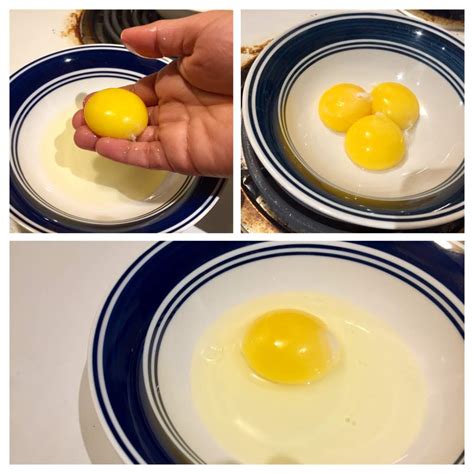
396 45
434 146
396 301
79 184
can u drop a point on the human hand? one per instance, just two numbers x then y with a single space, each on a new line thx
189 102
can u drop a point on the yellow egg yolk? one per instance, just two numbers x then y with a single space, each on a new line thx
342 105
116 113
397 102
375 142
289 346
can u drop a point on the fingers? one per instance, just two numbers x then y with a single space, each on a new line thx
144 154
145 89
84 138
166 37
140 153
148 135
78 119
158 39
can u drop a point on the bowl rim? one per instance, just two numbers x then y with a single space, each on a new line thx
208 189
366 218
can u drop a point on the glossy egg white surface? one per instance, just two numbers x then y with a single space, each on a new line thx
368 409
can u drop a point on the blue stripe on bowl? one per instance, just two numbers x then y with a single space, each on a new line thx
202 196
262 97
35 214
124 331
125 334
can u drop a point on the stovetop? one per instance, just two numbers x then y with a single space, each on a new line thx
105 26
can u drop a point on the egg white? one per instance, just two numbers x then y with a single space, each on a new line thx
368 409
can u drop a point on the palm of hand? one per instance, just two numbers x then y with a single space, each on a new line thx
186 125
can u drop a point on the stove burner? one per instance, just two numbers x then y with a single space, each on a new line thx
105 26
450 19
457 15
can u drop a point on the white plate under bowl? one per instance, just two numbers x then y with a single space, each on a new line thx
424 314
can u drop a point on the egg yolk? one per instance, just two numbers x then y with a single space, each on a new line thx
116 113
342 105
289 346
397 102
375 142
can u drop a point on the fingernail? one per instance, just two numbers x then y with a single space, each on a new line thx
129 47
124 41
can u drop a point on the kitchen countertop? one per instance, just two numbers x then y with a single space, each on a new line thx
57 289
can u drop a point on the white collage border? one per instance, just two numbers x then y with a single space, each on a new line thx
236 5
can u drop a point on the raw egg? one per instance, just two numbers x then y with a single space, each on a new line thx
368 408
397 102
116 113
375 143
289 346
342 105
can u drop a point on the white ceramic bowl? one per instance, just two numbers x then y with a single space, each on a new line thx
56 187
422 311
281 97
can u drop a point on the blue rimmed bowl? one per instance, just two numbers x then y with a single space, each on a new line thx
55 188
308 161
141 346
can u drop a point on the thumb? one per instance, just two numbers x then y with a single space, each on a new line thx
163 37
